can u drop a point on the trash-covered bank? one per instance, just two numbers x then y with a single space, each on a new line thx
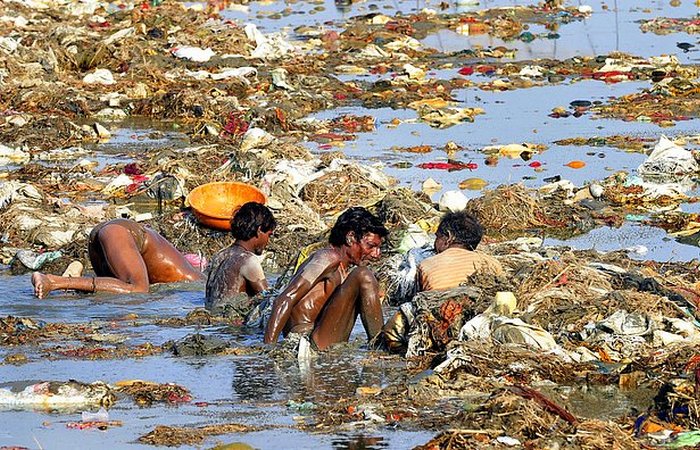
122 109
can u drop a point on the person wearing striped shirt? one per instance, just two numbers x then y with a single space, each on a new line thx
456 239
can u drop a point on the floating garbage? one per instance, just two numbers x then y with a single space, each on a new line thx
474 184
57 394
575 164
100 416
173 436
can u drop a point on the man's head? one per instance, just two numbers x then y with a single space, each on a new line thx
359 230
458 229
253 222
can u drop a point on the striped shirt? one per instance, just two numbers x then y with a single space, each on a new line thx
451 267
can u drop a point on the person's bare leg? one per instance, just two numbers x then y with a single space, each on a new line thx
165 263
124 260
121 256
358 293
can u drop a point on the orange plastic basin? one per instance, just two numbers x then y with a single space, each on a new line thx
215 203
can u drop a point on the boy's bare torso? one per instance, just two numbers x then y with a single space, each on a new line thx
231 271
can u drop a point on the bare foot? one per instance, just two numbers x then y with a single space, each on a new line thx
42 285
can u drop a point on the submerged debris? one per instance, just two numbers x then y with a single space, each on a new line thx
170 436
145 393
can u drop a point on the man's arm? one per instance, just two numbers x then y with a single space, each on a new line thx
254 276
314 269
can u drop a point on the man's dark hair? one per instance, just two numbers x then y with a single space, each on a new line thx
358 220
250 217
464 228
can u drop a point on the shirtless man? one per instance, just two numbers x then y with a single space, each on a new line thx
237 269
324 298
126 257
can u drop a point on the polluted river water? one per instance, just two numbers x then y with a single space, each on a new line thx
255 391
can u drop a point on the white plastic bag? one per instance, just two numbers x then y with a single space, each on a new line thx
193 53
668 159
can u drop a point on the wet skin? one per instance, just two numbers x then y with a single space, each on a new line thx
122 264
321 300
237 270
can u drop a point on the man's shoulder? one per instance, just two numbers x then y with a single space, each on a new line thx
233 254
325 254
321 260
431 260
454 254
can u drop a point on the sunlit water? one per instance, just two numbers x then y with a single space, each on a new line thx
251 390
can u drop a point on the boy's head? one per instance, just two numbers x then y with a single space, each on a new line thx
361 230
253 220
459 229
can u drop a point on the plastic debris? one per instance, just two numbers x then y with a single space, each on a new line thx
100 416
35 261
452 201
99 76
668 160
195 54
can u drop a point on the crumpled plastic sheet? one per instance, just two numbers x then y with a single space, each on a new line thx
402 284
35 261
11 191
668 160
506 330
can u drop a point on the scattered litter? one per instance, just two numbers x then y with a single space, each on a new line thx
193 53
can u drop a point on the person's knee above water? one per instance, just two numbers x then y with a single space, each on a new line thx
126 257
236 270
456 240
324 297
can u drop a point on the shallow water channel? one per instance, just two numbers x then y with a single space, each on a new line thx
252 389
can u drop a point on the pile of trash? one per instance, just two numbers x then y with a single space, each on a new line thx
74 394
93 351
56 394
628 143
24 330
671 100
505 359
146 393
513 209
